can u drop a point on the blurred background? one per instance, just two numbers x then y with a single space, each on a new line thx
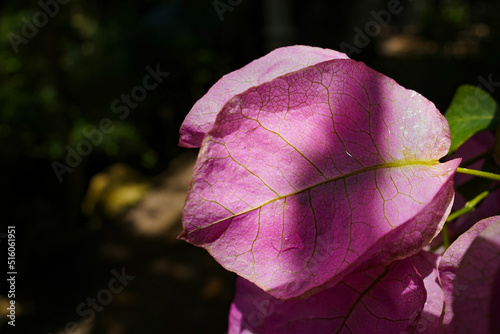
85 212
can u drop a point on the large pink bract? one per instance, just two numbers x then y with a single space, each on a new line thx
310 173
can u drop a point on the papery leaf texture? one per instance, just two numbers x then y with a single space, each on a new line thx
277 63
313 174
450 261
431 318
471 110
477 305
380 300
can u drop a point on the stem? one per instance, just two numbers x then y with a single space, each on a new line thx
469 206
477 158
479 173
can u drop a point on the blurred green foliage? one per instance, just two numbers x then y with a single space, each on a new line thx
63 80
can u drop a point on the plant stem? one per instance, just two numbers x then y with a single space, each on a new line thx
479 173
477 158
469 206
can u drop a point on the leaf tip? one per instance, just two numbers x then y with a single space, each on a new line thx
183 235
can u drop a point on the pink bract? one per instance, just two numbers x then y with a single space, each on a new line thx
316 173
431 319
277 63
470 277
380 300
448 268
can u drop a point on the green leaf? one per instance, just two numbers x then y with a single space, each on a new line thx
471 110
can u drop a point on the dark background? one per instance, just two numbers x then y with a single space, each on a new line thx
120 207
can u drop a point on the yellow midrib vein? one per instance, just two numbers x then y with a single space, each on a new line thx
396 164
